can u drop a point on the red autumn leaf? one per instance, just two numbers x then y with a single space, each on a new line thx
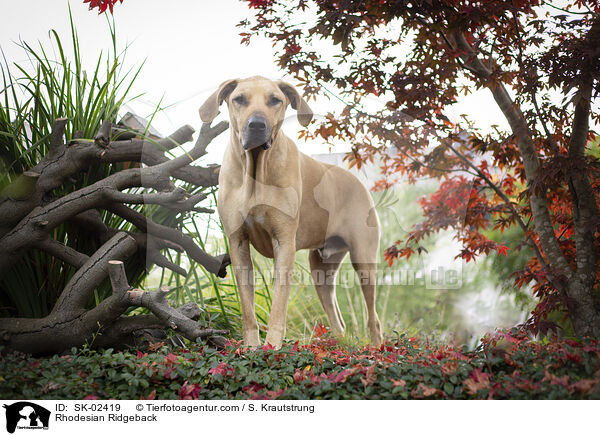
554 379
449 367
369 377
400 382
222 369
299 375
477 380
423 391
151 396
320 355
170 358
502 249
189 392
343 375
267 347
320 330
253 388
233 343
585 385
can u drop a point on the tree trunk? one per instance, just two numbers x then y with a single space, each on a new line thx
584 309
576 285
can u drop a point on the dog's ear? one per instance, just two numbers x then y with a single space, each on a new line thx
305 113
210 108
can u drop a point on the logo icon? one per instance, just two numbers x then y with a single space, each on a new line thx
26 415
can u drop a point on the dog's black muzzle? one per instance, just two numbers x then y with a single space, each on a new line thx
256 133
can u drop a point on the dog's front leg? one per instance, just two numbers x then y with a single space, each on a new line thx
284 250
241 262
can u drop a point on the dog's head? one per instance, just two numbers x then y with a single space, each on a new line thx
256 108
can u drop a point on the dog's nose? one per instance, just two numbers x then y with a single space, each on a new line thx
256 123
256 132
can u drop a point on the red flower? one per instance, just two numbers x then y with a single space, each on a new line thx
102 4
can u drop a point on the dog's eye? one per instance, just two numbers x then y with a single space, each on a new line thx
240 99
274 101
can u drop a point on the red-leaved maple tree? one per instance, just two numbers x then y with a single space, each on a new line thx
541 64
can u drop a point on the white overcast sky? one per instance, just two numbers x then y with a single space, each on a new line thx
190 47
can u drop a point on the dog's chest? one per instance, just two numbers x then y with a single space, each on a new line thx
259 233
258 202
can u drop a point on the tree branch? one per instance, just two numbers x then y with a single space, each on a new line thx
156 302
78 291
59 166
102 138
105 323
148 245
125 329
207 134
215 265
507 201
63 252
35 226
56 137
532 94
177 199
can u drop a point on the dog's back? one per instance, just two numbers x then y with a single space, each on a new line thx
336 193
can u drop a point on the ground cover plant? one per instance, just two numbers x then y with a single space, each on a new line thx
507 364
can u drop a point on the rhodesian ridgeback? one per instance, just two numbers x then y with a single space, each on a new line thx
281 200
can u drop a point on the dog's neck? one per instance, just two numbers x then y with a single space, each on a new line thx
254 164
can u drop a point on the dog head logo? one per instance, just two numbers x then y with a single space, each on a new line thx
26 415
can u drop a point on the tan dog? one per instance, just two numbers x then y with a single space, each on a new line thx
281 200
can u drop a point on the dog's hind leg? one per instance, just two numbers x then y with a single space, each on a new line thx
363 254
323 272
